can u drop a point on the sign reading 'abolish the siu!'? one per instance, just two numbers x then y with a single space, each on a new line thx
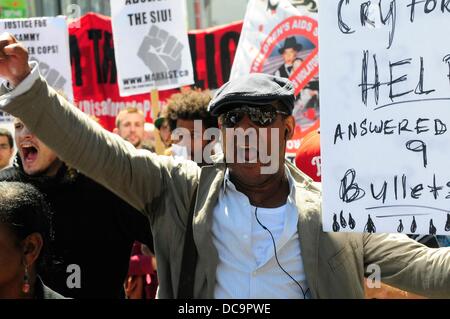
385 116
151 45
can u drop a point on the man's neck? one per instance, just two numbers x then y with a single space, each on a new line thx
271 193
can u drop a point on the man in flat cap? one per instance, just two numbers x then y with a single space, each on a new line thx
226 230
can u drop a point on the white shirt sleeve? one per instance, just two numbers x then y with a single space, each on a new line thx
22 88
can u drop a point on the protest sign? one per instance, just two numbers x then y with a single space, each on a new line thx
95 75
94 71
385 96
280 39
47 41
151 45
6 121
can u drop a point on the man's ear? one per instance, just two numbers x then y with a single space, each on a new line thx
31 248
116 131
289 125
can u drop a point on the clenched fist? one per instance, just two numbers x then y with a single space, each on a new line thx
13 60
161 53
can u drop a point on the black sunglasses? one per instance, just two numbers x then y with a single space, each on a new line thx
261 115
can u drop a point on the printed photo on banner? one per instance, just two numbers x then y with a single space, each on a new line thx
47 41
292 59
281 38
151 45
385 117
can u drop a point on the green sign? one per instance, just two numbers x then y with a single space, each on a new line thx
13 9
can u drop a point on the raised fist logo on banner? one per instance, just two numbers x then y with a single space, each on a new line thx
52 76
161 53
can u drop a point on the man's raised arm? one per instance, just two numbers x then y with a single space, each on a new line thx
136 176
408 265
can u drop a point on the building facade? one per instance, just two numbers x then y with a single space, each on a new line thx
200 13
41 8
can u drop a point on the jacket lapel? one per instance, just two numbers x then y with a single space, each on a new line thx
308 227
211 180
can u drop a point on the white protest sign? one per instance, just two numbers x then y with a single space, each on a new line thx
151 45
7 121
385 102
47 40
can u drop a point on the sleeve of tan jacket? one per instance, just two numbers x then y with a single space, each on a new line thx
408 265
137 176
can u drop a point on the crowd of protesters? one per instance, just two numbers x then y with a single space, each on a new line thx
100 215
93 228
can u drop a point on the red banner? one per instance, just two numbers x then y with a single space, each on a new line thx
94 72
213 52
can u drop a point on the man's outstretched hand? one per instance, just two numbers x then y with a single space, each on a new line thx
13 60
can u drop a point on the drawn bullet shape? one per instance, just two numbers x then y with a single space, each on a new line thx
343 222
336 226
351 221
413 225
432 228
370 226
400 227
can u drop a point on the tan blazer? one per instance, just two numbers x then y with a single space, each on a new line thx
162 188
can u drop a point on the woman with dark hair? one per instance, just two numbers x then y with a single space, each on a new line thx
25 232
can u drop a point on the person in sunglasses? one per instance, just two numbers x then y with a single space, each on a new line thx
226 230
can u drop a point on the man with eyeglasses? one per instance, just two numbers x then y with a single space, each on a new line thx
226 230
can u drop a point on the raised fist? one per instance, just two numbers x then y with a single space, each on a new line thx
52 76
13 60
161 53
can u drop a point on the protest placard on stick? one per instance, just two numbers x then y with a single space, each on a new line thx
47 41
280 39
151 45
385 97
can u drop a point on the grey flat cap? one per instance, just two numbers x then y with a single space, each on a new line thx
253 89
